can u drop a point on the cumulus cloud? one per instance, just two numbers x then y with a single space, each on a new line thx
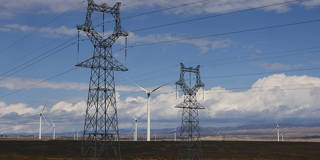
19 109
274 97
78 108
270 99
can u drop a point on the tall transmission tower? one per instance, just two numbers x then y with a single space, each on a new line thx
101 133
190 148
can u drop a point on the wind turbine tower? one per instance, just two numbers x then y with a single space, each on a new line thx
40 123
54 131
190 123
148 93
278 132
136 130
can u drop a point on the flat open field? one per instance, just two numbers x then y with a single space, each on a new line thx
213 150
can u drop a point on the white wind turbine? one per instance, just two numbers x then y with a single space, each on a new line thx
283 132
278 131
148 92
135 133
174 131
54 131
40 124
135 127
49 122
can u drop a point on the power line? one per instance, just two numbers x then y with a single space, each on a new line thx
230 33
155 71
267 57
227 33
37 59
164 9
32 33
194 19
276 53
128 17
155 11
212 16
207 35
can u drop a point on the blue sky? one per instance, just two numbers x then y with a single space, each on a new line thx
29 28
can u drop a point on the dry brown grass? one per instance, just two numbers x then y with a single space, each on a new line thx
229 150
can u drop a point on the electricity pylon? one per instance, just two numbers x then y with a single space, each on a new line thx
101 133
190 148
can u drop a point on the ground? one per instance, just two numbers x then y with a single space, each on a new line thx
212 150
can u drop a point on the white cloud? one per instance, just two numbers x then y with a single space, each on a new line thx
272 98
46 31
18 108
78 108
12 7
277 96
204 44
278 66
274 66
24 83
311 3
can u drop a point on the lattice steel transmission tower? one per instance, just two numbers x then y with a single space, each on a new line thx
190 148
101 133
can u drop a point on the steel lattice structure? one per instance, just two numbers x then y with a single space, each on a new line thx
190 128
101 133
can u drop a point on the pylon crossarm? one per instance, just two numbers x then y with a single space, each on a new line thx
115 65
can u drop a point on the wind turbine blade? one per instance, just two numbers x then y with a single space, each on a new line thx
140 117
45 119
43 109
158 87
50 123
141 87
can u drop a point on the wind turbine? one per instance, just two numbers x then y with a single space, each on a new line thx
49 122
283 132
135 133
149 92
40 126
174 131
278 131
54 131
